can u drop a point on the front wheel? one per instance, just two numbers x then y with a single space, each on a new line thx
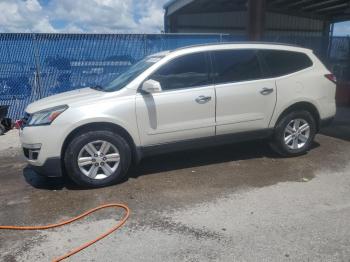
97 158
294 134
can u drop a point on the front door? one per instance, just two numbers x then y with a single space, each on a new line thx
185 109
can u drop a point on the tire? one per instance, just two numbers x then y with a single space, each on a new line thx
92 172
285 130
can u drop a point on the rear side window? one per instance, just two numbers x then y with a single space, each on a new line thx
184 72
281 62
236 66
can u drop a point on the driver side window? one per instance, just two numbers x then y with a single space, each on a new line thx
184 72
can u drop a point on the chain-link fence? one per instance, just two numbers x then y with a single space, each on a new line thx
339 58
33 66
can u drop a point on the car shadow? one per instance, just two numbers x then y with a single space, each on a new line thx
206 156
171 162
48 183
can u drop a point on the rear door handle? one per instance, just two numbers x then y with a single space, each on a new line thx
203 99
266 91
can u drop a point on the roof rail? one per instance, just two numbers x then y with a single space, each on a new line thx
239 43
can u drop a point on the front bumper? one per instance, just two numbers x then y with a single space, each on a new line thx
42 149
51 168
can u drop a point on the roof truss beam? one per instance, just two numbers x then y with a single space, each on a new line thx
320 4
333 7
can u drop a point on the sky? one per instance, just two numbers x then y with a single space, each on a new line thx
342 29
74 16
92 16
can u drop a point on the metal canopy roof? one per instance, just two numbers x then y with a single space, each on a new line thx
331 10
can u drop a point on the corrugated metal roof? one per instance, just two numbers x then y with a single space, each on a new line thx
168 3
333 10
174 5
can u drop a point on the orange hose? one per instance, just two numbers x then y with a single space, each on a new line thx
87 244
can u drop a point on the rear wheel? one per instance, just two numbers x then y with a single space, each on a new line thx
294 134
97 158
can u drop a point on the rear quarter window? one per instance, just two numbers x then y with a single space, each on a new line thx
280 62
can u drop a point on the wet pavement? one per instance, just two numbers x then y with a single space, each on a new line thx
236 202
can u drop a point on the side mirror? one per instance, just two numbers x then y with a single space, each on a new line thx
151 86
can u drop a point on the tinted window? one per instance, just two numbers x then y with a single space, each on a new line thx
236 66
183 72
284 62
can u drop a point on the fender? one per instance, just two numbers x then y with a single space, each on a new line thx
279 110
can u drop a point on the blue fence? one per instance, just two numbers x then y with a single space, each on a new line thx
33 66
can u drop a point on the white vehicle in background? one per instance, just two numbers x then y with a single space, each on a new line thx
188 98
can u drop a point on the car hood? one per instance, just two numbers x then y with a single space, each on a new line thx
67 98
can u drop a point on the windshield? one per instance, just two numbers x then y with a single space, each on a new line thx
134 71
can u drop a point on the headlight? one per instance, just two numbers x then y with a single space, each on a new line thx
45 117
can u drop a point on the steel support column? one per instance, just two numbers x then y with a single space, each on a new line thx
326 41
256 19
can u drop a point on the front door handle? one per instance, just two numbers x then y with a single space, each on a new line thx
203 99
266 91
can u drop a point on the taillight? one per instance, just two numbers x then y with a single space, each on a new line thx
331 77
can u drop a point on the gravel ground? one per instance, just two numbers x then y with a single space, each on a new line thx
9 144
232 203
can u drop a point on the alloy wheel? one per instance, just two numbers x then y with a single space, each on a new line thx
296 134
98 159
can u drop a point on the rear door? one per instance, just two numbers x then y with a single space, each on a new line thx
245 100
185 109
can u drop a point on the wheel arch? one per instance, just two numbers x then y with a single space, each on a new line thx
308 106
136 156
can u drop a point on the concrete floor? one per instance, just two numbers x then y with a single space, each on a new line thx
233 203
